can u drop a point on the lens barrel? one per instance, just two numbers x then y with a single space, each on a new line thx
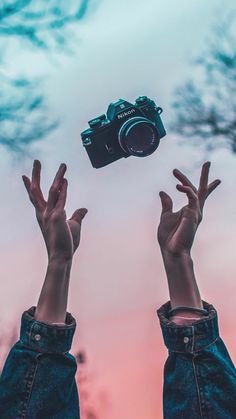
138 136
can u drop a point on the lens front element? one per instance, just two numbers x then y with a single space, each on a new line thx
138 136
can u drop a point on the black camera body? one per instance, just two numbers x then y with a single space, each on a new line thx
126 130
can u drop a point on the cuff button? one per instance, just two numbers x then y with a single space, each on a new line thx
37 337
186 339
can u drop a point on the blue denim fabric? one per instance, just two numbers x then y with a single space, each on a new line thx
199 375
38 378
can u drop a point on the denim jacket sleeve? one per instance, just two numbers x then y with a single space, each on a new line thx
38 378
199 375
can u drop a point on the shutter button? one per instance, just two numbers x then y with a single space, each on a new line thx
186 339
37 337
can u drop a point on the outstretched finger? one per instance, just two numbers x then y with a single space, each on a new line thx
35 185
36 171
59 175
55 188
212 186
202 189
166 202
38 203
62 195
192 196
185 181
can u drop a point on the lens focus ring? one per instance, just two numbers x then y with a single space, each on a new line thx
138 136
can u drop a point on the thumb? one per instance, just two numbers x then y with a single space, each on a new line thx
79 214
166 202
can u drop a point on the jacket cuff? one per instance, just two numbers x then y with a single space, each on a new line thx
186 338
43 337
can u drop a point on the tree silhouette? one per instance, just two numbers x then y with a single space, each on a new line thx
84 380
23 115
86 410
47 26
44 23
206 110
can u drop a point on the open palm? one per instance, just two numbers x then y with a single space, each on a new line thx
62 236
176 230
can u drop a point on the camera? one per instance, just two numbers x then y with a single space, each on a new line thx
126 130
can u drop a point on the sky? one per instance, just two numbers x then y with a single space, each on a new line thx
124 49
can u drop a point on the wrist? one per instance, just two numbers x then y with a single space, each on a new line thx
183 289
176 257
59 261
52 303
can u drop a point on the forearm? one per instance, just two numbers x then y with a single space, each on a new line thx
183 289
52 303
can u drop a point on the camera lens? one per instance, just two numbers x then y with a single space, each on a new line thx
138 136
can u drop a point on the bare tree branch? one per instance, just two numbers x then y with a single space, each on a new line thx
46 25
23 114
207 112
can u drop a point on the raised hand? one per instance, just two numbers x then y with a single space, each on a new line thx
176 230
62 236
